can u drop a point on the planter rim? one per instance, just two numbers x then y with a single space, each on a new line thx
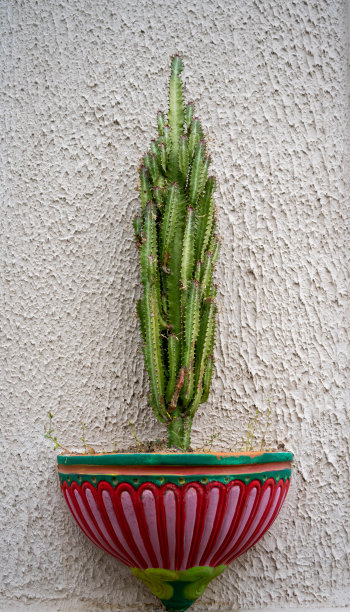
177 459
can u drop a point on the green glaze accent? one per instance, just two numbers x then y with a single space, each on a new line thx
136 481
172 459
157 580
198 579
178 589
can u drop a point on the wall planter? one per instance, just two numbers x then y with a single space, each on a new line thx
177 520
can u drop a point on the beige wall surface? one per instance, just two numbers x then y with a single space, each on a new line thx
82 81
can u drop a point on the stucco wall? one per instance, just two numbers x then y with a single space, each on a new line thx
82 82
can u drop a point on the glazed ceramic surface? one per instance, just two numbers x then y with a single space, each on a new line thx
177 520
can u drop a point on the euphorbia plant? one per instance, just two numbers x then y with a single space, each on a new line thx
178 250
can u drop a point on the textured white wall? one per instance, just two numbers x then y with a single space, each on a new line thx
82 83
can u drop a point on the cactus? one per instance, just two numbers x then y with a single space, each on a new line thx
178 249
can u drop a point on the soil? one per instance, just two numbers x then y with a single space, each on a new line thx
160 448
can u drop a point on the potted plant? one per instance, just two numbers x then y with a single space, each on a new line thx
176 518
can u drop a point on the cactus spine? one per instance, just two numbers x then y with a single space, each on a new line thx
178 250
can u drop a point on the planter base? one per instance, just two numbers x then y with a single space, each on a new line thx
178 590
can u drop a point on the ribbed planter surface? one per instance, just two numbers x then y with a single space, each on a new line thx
177 520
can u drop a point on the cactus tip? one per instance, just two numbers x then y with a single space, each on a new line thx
176 63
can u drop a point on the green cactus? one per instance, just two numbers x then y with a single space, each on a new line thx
178 248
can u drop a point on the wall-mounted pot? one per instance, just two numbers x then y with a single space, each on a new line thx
177 520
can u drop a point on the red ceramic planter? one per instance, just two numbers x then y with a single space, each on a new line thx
177 520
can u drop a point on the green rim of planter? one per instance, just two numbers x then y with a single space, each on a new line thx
160 480
174 459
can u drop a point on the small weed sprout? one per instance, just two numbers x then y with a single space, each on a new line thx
255 428
83 436
249 443
132 428
212 439
268 423
50 431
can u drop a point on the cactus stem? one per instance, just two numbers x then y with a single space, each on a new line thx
178 247
179 384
